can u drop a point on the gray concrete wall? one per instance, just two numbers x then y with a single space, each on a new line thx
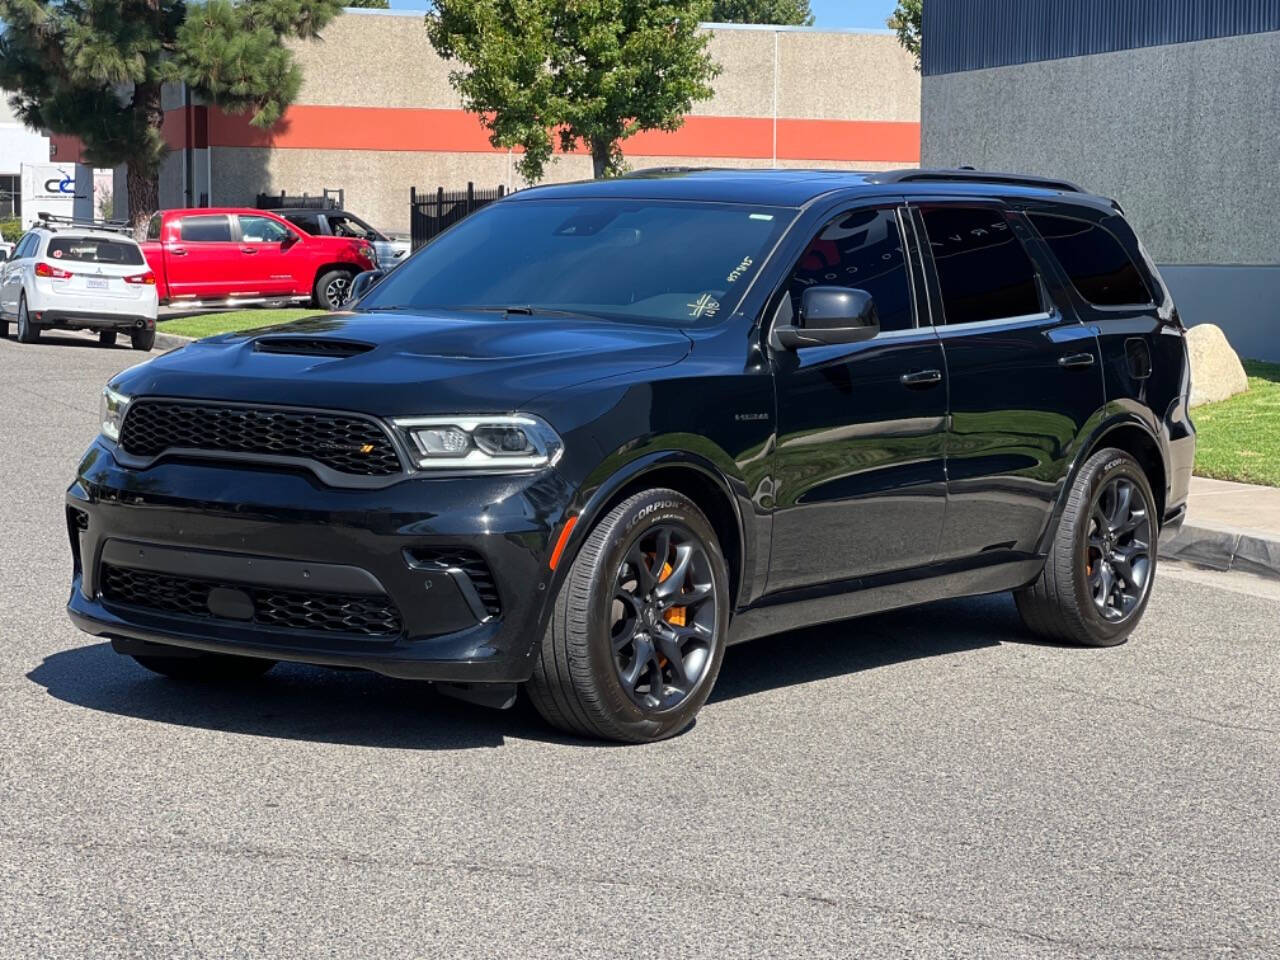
1185 136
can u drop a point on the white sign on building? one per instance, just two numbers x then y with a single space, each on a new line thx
59 189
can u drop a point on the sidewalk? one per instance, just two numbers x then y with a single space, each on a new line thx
1230 526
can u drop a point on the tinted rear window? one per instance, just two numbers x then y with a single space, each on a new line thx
206 229
1097 264
95 250
982 269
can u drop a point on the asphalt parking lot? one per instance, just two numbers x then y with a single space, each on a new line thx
924 783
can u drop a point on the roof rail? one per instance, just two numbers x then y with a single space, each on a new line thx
661 171
53 221
969 175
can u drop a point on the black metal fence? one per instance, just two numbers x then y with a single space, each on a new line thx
432 213
328 200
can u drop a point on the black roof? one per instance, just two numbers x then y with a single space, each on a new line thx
794 188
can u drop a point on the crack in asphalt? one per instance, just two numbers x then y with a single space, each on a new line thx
527 871
1176 714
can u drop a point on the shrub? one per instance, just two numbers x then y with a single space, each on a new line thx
10 230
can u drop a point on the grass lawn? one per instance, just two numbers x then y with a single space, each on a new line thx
1239 438
206 325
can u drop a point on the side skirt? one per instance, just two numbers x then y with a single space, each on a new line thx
808 606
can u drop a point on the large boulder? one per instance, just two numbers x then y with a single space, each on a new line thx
1216 372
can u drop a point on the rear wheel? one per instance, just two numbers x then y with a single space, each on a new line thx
332 288
28 332
107 338
637 630
1097 578
143 339
206 667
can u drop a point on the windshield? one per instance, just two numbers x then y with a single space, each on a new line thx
685 264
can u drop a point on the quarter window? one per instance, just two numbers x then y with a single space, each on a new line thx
983 271
1099 268
205 230
862 250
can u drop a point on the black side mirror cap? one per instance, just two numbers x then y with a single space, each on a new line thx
830 315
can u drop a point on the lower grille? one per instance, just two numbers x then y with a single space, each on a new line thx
369 616
470 563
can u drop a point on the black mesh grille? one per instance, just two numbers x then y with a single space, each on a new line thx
348 444
469 562
370 616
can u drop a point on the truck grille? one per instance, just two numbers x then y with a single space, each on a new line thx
370 616
346 443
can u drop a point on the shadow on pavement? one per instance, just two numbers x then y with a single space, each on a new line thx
360 709
71 338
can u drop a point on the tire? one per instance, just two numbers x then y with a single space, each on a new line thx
206 667
142 339
580 674
4 328
1089 559
28 332
331 289
106 338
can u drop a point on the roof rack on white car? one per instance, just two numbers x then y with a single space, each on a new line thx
54 222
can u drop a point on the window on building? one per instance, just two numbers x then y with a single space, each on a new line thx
862 250
983 271
1101 270
262 230
10 196
205 229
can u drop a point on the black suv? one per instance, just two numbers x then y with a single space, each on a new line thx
596 432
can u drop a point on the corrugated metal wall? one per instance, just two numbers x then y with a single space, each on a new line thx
973 34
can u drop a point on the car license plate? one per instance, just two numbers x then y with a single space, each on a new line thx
96 284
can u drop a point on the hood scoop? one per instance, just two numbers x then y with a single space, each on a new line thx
311 346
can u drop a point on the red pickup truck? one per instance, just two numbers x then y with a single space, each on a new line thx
231 255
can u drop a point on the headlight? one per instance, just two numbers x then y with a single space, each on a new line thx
112 410
492 444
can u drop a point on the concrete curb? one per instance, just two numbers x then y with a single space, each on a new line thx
170 341
1224 548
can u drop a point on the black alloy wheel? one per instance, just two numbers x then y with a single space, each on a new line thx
663 621
1118 559
637 627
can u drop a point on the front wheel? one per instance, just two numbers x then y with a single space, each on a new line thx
1097 578
638 627
206 667
332 289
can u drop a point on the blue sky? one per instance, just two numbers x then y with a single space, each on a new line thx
829 13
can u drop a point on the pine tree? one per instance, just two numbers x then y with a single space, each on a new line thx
95 69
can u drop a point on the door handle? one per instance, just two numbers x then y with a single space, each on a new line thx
178 251
248 250
921 378
1076 360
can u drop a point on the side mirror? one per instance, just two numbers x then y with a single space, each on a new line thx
363 283
831 315
289 240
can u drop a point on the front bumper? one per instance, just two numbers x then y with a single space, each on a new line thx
262 533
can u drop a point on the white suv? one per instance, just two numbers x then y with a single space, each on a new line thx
78 278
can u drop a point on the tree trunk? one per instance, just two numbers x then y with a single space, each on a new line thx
142 172
601 153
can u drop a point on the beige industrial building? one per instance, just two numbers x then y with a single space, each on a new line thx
376 115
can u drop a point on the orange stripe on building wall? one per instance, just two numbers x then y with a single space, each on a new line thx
455 131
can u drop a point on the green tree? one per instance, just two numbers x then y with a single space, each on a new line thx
906 21
95 69
794 13
590 71
369 4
